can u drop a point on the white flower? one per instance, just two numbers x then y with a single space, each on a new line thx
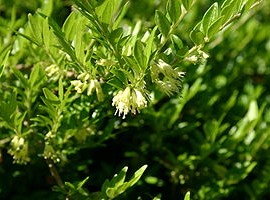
94 85
192 58
84 77
139 99
52 70
167 78
79 85
122 102
128 100
19 150
106 62
84 81
91 86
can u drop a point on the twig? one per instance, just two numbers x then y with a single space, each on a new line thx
55 173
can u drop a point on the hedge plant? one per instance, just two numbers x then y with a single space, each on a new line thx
175 91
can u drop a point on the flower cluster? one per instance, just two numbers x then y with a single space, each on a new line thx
130 99
50 153
85 82
54 72
196 55
19 150
167 78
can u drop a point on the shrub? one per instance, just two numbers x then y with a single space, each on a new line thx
175 87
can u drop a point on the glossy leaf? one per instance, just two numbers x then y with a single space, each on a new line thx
107 10
215 27
210 16
4 53
121 15
187 196
50 95
117 185
162 22
187 4
69 26
36 29
197 36
139 55
149 44
174 9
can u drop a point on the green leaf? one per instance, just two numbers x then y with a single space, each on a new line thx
195 88
120 74
19 117
134 67
78 41
177 42
35 25
8 107
46 34
250 3
50 96
65 45
211 129
139 55
162 22
229 9
245 125
215 27
253 111
187 196
149 45
187 4
4 53
210 16
47 7
115 82
36 77
113 190
121 15
81 183
42 120
231 101
2 68
197 36
226 3
21 77
174 9
119 179
49 108
115 36
107 10
69 25
137 175
28 38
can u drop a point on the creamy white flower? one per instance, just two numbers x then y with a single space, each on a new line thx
129 100
85 82
139 99
84 77
167 78
91 86
19 150
122 102
79 85
99 91
105 62
52 70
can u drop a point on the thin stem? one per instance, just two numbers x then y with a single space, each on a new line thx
55 173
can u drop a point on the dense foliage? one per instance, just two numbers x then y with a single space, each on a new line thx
176 90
